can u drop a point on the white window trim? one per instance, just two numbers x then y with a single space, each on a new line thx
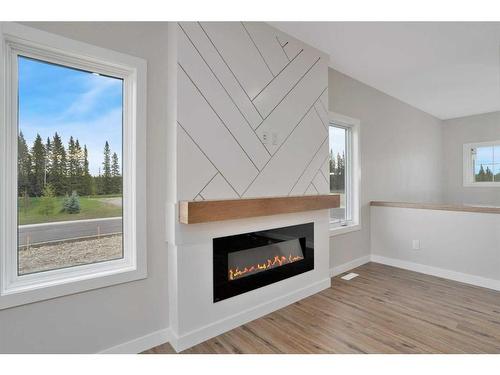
353 180
468 165
17 290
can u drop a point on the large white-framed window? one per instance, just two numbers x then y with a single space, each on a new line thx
28 52
345 172
481 164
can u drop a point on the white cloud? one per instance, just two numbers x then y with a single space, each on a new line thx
86 102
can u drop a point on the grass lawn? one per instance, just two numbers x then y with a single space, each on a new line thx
90 208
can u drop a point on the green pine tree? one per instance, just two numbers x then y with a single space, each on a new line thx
489 174
107 184
481 175
332 171
79 168
38 167
87 183
48 158
71 204
116 174
58 167
72 164
23 166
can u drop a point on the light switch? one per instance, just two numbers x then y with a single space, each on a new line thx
265 137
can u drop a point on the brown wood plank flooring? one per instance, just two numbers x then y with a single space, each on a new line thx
383 310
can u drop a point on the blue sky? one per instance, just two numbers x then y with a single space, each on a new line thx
73 103
488 157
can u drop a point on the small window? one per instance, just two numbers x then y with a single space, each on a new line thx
345 173
339 171
482 164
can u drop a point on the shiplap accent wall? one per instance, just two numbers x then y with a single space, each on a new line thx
252 113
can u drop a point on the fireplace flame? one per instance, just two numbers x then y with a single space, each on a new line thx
271 263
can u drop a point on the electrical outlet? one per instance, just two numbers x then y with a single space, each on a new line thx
415 245
265 137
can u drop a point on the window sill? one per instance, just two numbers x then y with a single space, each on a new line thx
337 230
482 184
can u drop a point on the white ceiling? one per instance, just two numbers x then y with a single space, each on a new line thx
447 69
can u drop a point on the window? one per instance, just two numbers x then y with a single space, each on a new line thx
72 188
482 164
344 172
69 175
339 171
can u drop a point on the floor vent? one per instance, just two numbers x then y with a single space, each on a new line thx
349 276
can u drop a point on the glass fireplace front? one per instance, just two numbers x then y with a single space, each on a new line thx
249 261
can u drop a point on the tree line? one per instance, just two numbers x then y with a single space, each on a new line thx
337 172
64 170
486 175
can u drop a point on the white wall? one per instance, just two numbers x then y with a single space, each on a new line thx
401 156
236 82
463 246
96 320
457 132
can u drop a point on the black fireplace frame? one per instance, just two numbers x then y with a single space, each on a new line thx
222 246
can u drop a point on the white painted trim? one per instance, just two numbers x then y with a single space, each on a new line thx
438 272
337 270
140 344
180 343
16 290
354 172
337 230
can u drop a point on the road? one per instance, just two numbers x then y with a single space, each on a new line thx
66 230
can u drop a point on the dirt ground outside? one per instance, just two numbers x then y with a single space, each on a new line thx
68 254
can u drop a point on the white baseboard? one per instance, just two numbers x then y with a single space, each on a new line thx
195 337
192 338
439 272
337 270
140 344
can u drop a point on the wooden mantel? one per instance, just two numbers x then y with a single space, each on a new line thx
194 212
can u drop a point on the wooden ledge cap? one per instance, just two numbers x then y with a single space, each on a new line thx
194 212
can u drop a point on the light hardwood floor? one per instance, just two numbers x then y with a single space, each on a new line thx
383 310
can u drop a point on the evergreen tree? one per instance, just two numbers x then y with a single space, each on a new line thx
73 177
341 171
58 163
488 174
332 171
23 166
80 166
48 158
337 170
107 184
87 178
38 167
116 175
71 204
481 176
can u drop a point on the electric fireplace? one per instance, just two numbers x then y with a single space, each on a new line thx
249 261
